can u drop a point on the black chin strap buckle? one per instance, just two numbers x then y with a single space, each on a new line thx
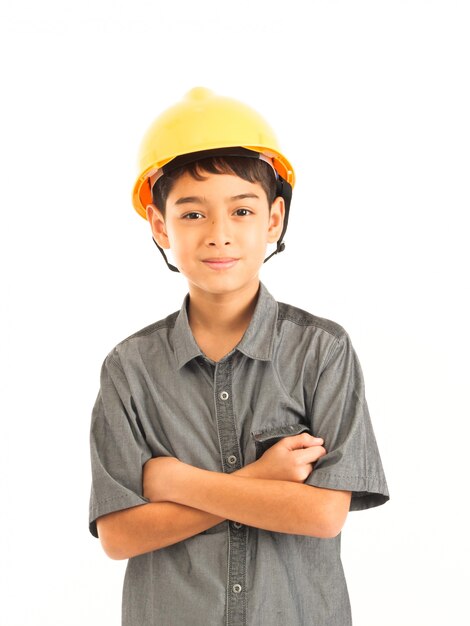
281 246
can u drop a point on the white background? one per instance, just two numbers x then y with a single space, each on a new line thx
370 101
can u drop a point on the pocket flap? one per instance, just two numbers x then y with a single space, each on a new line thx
266 438
286 430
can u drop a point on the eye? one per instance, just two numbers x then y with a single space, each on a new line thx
246 211
193 213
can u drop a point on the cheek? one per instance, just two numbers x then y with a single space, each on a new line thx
177 240
257 237
181 251
184 251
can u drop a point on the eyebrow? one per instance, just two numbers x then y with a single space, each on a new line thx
199 200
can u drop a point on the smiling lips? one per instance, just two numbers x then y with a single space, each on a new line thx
221 263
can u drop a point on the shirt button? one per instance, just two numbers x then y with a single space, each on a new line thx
236 588
237 525
232 459
224 395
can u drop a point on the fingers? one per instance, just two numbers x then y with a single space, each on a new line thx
304 440
306 447
309 455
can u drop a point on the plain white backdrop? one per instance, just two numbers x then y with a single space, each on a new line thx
370 101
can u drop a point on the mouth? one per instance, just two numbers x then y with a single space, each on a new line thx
221 263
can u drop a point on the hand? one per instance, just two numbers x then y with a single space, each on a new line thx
291 458
157 473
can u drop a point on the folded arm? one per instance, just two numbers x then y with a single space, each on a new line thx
140 529
275 505
266 494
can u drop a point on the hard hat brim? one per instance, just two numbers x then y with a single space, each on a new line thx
142 192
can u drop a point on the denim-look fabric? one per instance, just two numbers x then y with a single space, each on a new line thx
291 372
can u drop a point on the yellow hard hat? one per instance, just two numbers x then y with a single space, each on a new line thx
203 121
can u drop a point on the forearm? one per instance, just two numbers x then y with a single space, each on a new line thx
274 505
152 526
149 527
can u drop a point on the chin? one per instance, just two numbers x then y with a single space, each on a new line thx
221 283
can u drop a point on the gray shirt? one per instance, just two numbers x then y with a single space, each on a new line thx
291 372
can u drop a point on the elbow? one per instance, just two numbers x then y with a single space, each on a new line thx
112 541
113 551
124 534
333 524
330 516
112 548
330 529
327 529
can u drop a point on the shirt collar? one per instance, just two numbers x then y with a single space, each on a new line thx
256 343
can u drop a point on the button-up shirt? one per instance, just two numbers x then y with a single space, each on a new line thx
292 372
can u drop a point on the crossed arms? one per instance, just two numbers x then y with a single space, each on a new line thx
268 493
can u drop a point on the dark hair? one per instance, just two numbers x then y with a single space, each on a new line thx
251 169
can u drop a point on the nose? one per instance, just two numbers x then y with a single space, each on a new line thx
218 232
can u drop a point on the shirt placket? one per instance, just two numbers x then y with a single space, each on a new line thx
231 460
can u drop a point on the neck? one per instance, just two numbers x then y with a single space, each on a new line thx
222 313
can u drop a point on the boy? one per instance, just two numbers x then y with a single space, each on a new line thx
229 440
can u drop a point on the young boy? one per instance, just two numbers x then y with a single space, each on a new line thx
229 440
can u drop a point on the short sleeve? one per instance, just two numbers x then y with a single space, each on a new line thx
118 448
341 417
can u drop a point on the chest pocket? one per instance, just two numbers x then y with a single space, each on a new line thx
266 438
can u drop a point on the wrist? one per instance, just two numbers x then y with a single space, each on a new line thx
183 478
252 470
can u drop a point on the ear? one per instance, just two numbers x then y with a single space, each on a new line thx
276 219
157 224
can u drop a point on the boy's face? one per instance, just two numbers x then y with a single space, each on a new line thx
207 220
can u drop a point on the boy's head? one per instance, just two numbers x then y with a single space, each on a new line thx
208 137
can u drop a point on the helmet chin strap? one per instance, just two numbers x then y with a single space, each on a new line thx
170 266
283 189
